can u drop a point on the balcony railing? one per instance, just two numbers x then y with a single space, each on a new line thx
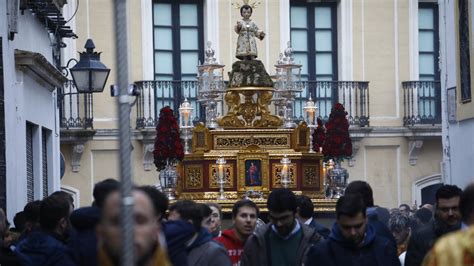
155 95
422 103
75 109
354 95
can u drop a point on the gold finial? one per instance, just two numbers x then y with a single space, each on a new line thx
253 4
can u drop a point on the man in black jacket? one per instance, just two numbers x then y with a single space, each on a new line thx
305 213
363 188
284 241
447 218
353 241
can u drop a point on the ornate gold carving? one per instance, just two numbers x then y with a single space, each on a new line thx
232 195
301 137
250 113
264 141
228 176
276 176
311 177
200 138
320 204
193 176
267 119
252 158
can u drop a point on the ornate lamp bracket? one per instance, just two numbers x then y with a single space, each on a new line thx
414 148
148 156
77 151
355 149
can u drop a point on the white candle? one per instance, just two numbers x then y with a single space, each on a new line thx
284 171
186 118
311 116
221 172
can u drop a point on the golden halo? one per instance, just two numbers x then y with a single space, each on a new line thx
253 4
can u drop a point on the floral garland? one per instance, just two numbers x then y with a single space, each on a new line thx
168 146
337 143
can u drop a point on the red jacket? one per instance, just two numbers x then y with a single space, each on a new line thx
234 246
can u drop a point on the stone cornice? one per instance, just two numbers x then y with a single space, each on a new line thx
39 66
357 133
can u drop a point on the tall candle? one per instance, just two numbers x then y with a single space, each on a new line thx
186 117
284 171
221 172
311 116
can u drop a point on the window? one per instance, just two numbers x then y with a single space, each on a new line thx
30 183
46 136
428 54
313 29
464 54
178 48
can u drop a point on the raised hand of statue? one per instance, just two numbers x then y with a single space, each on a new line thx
248 32
238 27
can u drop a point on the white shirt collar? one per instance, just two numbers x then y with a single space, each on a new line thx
294 231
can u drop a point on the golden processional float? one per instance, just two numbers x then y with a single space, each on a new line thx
249 150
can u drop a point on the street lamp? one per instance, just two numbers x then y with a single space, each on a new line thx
89 74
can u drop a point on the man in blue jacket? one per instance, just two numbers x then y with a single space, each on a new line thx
352 240
47 245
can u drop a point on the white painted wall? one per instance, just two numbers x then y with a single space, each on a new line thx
458 142
26 99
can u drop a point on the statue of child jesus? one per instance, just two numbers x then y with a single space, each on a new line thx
248 31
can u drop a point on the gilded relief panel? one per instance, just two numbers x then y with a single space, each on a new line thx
276 175
193 176
228 176
311 178
233 142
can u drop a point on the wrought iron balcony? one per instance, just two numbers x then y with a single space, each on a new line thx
354 95
156 94
422 103
75 109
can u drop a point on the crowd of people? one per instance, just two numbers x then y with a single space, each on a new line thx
51 232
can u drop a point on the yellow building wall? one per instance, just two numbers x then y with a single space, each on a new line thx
380 55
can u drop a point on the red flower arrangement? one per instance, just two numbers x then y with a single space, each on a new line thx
337 143
168 146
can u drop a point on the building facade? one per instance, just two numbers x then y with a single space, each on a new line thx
347 47
29 79
457 86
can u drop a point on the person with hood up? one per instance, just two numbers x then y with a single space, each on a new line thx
244 217
201 250
352 240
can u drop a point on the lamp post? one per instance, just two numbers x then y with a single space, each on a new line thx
186 125
89 74
221 177
310 117
285 171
